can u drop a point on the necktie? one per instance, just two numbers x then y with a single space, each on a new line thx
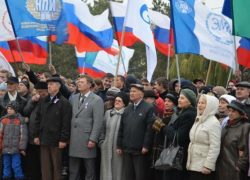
135 107
82 98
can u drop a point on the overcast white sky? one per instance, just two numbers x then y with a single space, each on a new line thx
213 4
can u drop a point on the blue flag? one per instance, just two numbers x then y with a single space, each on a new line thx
227 9
37 18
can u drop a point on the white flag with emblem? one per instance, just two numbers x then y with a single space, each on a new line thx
138 19
6 30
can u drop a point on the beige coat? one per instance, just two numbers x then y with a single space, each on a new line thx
204 147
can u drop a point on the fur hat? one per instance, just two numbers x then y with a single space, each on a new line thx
112 92
124 97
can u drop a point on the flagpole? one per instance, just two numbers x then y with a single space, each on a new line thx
19 49
14 60
83 69
168 61
208 73
229 77
121 43
236 57
50 53
124 66
178 70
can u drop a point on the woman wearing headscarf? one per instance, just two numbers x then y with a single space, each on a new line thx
181 126
222 114
171 103
111 162
204 146
231 164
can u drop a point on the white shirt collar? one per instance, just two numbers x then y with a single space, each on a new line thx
12 98
243 101
86 95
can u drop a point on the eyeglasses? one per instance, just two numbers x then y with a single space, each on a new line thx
118 101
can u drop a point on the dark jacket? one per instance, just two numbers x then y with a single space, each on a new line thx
160 137
4 100
135 129
27 97
102 94
234 138
247 109
182 126
52 122
14 134
162 95
30 111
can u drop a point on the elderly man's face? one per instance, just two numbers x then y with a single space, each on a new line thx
53 88
12 87
242 93
136 95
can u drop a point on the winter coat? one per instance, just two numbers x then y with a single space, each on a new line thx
4 100
52 122
160 137
135 130
182 126
204 147
13 134
30 111
234 138
112 167
247 109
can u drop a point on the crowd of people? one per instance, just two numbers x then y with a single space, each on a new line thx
109 128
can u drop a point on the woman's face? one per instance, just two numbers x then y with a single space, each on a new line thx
119 103
202 104
169 104
183 101
223 106
233 114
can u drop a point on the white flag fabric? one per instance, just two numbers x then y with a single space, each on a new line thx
137 18
107 62
4 64
6 30
200 30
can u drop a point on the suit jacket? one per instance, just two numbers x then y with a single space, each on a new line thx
86 124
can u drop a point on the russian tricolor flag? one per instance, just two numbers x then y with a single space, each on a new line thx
35 45
88 69
87 32
243 50
160 25
29 57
